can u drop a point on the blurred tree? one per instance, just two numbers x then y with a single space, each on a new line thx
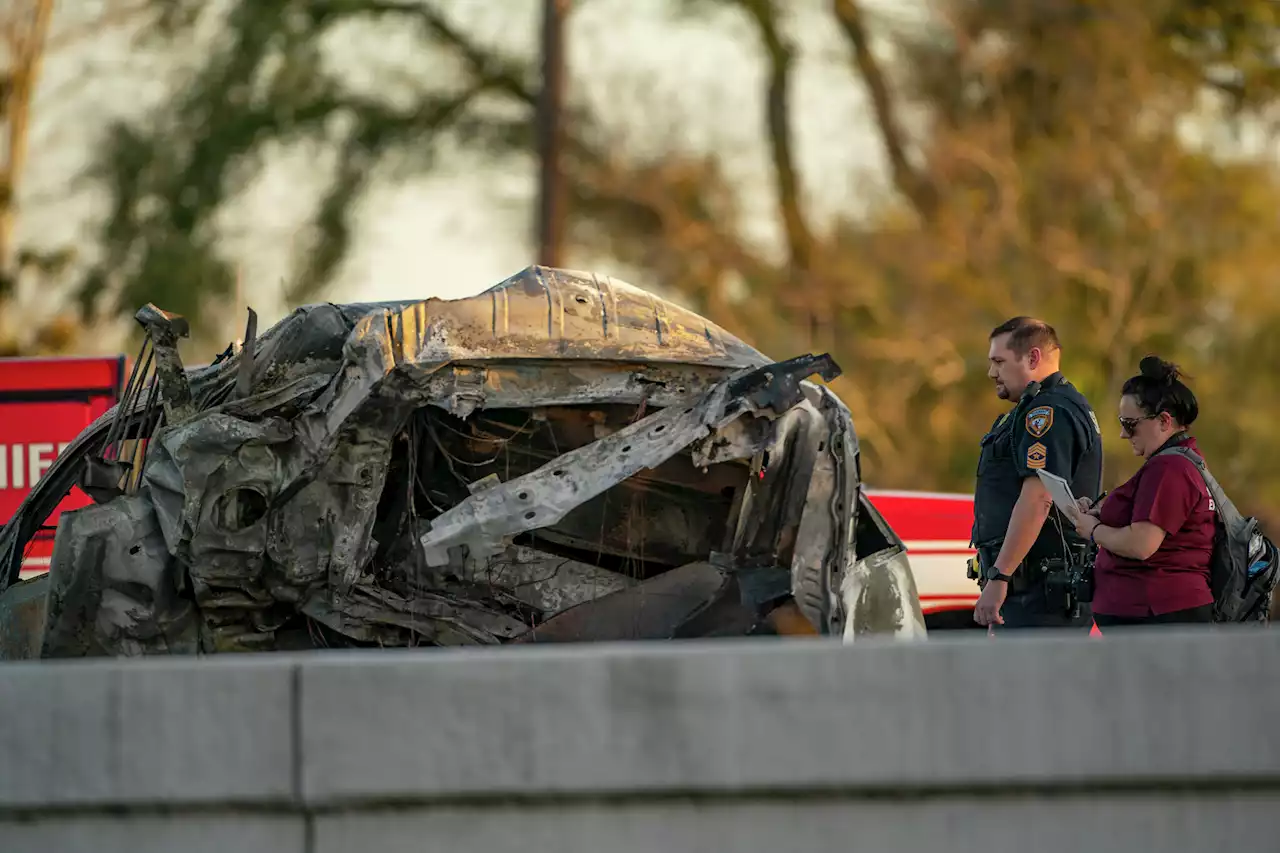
264 82
1044 155
1056 176
1043 160
24 28
27 274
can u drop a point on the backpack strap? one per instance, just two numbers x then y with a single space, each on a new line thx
1226 510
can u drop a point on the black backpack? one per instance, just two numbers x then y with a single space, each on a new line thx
1245 564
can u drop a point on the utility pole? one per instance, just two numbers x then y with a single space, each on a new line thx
550 118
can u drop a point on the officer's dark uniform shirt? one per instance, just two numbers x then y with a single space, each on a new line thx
1056 431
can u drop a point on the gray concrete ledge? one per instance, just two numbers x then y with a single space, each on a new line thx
1043 712
1098 824
348 731
171 731
155 833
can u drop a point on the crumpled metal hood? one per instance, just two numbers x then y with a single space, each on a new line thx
522 465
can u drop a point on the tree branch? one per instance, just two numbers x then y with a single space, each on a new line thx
601 181
505 74
778 129
656 192
909 181
27 50
331 225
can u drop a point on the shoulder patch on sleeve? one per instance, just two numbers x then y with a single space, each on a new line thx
1096 426
1039 420
1037 456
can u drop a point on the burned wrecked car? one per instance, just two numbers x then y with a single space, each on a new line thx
563 457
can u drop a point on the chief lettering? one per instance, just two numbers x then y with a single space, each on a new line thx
1039 420
1037 455
22 465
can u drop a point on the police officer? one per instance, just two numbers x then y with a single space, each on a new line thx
1019 536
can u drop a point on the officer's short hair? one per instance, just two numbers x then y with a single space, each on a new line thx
1025 333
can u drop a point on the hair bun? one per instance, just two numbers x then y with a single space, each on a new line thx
1158 369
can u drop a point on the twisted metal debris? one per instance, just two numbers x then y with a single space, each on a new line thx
563 457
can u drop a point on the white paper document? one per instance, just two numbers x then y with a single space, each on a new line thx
1060 491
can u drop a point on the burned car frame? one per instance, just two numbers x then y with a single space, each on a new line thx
563 457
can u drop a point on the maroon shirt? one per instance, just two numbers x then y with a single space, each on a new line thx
1169 492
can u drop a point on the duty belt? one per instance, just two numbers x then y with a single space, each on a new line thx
986 562
1027 574
1030 572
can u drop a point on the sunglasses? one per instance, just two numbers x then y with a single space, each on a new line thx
1130 424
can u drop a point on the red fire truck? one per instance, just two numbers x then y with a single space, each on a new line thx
44 404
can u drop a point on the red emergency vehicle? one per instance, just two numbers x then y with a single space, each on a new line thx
44 404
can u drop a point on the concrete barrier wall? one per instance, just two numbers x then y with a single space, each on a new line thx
1164 741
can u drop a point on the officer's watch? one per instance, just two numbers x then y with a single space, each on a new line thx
996 576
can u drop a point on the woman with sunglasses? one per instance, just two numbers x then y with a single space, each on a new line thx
1154 533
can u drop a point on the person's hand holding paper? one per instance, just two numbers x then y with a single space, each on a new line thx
1088 507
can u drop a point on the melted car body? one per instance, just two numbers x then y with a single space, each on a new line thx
561 458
